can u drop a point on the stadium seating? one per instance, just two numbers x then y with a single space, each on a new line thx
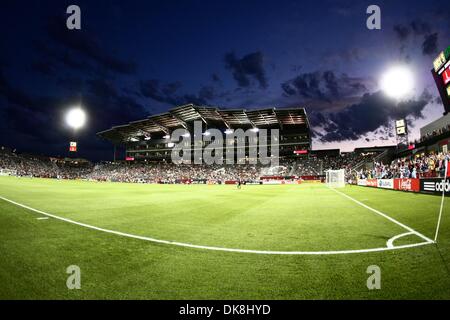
417 166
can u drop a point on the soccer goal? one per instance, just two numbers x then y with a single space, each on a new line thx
7 172
335 178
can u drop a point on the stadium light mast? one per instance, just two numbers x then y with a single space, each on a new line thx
75 119
397 82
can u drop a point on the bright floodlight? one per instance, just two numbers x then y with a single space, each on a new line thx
76 118
397 82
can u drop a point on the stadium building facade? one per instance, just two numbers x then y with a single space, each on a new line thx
149 139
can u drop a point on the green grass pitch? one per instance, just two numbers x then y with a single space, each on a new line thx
34 253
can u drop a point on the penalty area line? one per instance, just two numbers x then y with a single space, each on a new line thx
404 226
188 245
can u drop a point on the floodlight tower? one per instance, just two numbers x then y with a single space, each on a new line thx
401 132
397 83
75 119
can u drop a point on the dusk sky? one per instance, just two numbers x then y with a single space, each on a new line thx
132 59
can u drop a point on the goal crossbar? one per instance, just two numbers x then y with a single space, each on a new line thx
335 178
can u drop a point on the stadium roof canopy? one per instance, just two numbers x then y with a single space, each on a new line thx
183 117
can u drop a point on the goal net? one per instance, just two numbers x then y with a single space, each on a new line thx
7 172
335 178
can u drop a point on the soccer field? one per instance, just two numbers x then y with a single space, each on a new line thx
136 241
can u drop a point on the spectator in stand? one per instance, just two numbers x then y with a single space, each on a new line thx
433 134
417 166
414 173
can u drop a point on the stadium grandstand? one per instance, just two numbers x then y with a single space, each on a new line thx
357 164
149 138
301 167
148 150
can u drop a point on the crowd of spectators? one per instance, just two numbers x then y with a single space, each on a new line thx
415 166
28 165
435 133
171 173
312 166
308 166
42 167
151 172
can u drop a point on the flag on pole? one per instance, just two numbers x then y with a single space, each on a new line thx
447 174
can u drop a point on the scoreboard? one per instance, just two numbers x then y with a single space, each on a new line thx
400 127
441 75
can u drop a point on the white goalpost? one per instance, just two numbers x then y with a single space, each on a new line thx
335 178
7 172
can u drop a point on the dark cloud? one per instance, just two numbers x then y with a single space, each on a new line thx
168 93
207 93
372 112
60 57
155 90
342 57
102 89
430 44
307 85
331 83
324 86
246 68
416 27
171 88
402 31
420 27
83 43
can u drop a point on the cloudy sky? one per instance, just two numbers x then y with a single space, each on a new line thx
136 58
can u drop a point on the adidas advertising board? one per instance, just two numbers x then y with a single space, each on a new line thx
436 185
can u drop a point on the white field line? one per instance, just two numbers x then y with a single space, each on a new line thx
188 245
390 242
42 218
411 230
